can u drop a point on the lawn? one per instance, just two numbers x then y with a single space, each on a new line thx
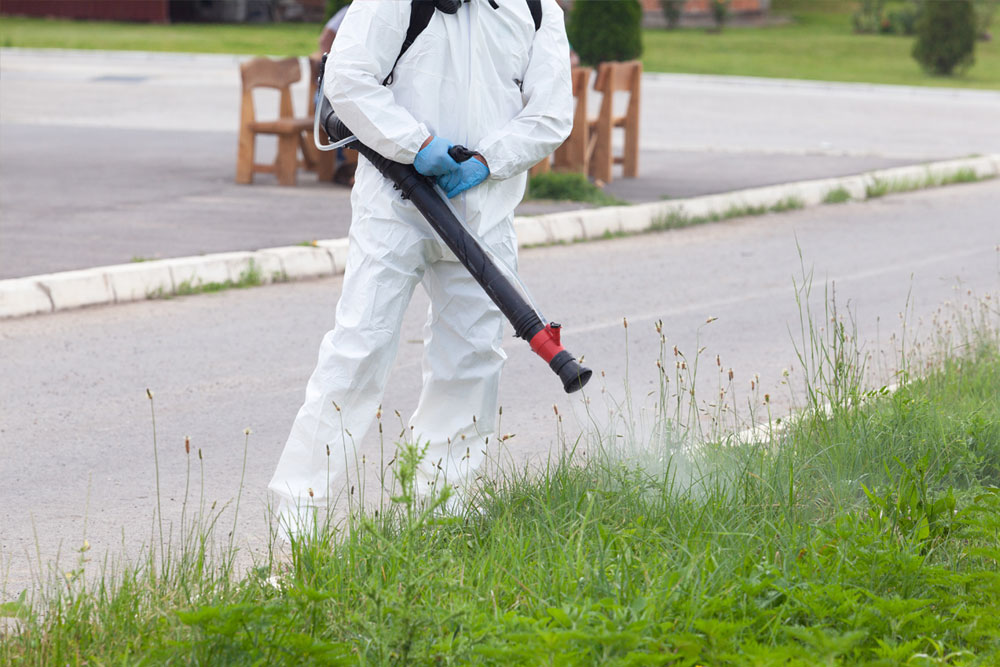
864 533
817 44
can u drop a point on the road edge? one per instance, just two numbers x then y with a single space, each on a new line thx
123 283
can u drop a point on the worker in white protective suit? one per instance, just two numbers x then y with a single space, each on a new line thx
483 77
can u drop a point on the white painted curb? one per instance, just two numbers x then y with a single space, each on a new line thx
132 282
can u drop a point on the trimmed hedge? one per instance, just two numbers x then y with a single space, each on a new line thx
946 36
606 30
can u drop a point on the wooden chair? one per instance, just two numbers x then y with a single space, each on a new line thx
280 75
612 78
572 155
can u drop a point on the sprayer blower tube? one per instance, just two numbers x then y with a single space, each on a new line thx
544 339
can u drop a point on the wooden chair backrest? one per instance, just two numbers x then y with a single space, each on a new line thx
267 73
613 77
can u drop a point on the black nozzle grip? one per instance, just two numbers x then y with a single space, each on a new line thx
461 153
572 374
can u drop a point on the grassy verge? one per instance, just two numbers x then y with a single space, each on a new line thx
865 532
569 187
249 277
818 44
275 39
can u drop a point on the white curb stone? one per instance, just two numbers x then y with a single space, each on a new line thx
75 289
301 261
23 296
338 253
130 282
142 280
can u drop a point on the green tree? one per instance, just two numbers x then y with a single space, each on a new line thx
946 36
603 30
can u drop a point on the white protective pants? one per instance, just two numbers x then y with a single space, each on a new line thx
462 361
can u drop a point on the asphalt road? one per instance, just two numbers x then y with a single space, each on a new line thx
106 157
75 427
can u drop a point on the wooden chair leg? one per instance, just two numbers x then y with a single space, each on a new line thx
630 163
601 160
287 162
245 156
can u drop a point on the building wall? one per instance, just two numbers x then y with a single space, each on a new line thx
118 10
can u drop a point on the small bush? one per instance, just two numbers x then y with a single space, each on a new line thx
672 12
571 187
606 30
903 21
720 13
869 17
946 36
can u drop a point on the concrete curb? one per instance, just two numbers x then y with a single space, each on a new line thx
143 280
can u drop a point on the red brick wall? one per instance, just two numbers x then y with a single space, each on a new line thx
117 10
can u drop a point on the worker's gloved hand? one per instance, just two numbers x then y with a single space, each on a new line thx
433 158
469 174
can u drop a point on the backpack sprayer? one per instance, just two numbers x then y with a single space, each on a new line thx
434 206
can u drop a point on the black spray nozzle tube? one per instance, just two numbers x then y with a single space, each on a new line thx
420 190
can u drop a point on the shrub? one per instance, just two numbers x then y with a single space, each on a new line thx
869 17
672 12
946 36
903 21
720 13
603 30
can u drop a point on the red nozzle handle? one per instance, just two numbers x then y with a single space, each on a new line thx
546 343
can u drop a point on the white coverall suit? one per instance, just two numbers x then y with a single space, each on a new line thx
483 78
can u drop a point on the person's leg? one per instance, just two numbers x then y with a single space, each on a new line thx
385 262
462 363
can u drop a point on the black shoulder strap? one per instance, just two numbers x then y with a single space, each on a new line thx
535 7
421 12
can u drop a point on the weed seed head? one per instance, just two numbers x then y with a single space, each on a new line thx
149 394
187 444
311 492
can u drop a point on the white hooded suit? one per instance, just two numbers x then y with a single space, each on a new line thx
483 78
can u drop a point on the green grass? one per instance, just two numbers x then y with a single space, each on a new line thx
881 187
569 187
277 39
249 277
837 196
819 45
865 532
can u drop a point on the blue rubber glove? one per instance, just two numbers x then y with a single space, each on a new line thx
433 159
469 174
